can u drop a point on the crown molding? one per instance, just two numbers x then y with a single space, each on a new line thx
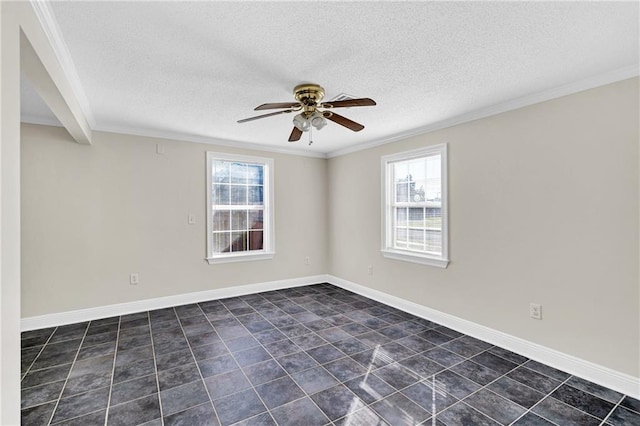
175 136
43 121
513 104
50 27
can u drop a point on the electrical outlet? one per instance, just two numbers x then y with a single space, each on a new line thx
370 270
307 261
134 278
535 311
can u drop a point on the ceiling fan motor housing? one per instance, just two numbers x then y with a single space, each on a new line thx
309 95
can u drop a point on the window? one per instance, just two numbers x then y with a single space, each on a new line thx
415 206
239 204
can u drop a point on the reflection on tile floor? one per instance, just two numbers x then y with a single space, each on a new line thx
312 355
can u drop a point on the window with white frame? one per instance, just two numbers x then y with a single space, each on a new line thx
239 208
415 206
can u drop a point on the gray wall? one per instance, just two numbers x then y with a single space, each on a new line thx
543 208
91 215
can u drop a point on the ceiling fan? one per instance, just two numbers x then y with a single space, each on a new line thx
312 112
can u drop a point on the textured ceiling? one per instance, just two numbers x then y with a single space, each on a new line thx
192 69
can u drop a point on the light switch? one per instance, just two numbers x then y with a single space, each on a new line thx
192 219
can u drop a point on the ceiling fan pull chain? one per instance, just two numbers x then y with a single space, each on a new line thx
310 135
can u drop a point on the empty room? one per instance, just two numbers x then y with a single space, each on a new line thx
319 213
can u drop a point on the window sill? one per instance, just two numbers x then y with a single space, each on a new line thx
415 258
240 258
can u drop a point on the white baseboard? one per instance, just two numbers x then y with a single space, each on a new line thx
601 375
604 376
70 317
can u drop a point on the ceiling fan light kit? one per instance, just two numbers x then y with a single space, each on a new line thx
311 114
304 122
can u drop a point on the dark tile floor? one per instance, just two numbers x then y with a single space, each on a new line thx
312 355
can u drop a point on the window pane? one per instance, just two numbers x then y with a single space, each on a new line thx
417 170
220 171
255 195
239 241
238 195
255 240
221 242
401 171
434 241
220 194
401 216
401 234
416 217
221 220
434 218
255 174
433 183
239 220
402 192
416 236
238 172
255 219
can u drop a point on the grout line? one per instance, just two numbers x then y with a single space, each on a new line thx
593 394
113 371
77 417
137 398
69 373
215 412
306 395
155 368
38 354
486 386
612 410
45 383
340 382
253 387
548 395
575 408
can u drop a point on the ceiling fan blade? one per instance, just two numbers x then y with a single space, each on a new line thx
271 114
343 121
349 103
295 134
278 105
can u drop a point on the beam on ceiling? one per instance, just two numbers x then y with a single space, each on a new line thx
42 67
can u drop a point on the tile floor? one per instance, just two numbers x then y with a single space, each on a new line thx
313 355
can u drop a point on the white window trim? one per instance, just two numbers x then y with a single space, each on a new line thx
268 250
388 250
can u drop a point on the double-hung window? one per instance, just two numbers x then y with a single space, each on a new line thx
415 206
239 208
